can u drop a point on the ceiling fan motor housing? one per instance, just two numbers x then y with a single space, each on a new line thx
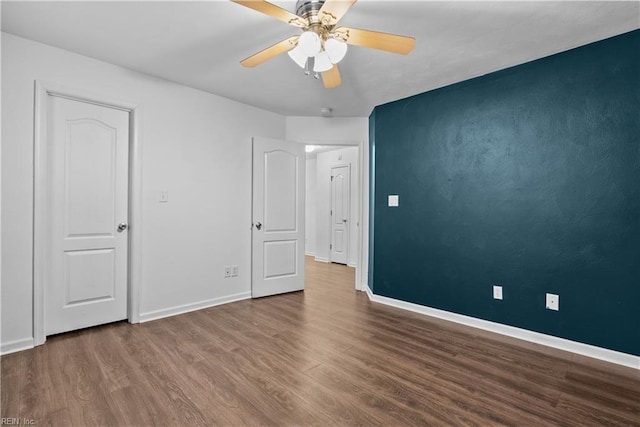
308 8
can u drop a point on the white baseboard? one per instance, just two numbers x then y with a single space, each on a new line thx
313 254
17 345
352 264
186 308
322 259
605 354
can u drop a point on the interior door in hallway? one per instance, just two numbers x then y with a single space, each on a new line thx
278 217
340 197
88 170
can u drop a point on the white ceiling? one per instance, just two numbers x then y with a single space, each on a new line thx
200 44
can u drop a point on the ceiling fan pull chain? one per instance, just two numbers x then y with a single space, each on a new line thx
307 67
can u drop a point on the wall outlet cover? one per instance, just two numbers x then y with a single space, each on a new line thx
394 200
497 292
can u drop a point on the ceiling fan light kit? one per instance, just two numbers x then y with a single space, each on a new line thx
309 43
322 63
321 42
298 56
325 54
335 49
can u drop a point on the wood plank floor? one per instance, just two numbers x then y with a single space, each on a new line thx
325 356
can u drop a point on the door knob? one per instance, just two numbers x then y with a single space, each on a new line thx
258 225
122 226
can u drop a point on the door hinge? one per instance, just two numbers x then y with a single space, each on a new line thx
331 178
330 246
331 212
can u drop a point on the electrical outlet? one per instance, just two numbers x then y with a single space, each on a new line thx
234 271
497 292
164 196
553 302
227 272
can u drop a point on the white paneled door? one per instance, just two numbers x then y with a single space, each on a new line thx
278 217
88 169
340 197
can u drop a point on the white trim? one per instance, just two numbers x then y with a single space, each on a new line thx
353 265
135 214
186 308
365 288
307 253
359 226
325 260
607 355
17 345
39 210
42 91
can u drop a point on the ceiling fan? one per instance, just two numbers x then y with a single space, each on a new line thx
321 45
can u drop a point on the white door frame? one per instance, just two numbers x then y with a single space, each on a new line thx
331 167
362 256
42 91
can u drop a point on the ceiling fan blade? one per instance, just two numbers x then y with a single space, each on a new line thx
268 53
332 77
384 41
273 11
333 10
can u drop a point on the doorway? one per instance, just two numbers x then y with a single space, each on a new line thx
321 159
87 195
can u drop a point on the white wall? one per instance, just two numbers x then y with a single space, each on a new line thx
328 131
310 207
196 145
0 190
327 160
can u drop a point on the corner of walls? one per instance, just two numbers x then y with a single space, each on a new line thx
371 143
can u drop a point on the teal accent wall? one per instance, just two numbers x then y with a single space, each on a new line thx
529 178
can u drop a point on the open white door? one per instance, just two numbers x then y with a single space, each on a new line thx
278 217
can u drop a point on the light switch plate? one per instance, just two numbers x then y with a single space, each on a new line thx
497 292
553 302
394 200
